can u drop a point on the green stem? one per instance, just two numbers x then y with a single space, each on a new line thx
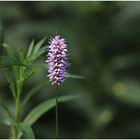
15 133
19 85
17 108
14 127
56 115
17 112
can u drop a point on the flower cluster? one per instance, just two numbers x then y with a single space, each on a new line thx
57 60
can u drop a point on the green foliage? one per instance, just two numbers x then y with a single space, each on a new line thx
24 71
74 76
26 131
35 51
22 68
44 107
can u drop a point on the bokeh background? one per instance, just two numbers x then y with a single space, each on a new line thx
104 46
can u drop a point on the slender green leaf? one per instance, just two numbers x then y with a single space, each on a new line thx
26 131
44 107
30 49
36 49
41 51
74 76
21 56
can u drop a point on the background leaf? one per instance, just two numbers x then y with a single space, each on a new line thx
73 76
44 107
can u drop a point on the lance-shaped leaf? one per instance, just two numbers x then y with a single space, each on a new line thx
74 76
26 131
35 50
44 107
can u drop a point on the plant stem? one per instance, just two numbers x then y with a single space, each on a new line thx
16 116
19 81
17 112
56 114
13 131
17 109
14 128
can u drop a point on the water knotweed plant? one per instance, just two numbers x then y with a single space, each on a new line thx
20 68
57 63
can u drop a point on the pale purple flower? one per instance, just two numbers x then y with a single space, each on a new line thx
57 60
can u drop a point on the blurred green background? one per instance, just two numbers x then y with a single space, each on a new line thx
104 46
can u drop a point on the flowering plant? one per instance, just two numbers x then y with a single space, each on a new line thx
18 69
